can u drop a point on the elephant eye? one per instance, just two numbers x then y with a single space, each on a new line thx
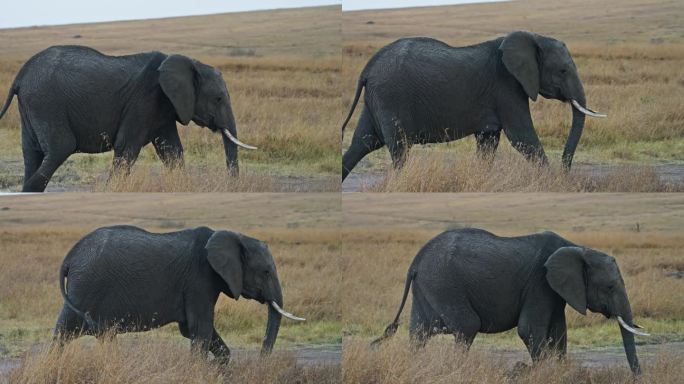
563 71
218 99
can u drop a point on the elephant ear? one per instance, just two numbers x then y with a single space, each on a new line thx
225 254
519 55
565 274
177 80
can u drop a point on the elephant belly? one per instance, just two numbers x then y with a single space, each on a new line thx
451 123
95 142
130 320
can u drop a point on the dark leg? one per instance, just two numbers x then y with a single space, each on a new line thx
200 328
394 132
33 155
54 158
422 321
219 348
487 142
124 160
558 336
364 141
69 326
462 322
533 330
518 127
169 148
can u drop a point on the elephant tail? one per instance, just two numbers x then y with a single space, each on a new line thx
392 328
63 274
8 101
357 95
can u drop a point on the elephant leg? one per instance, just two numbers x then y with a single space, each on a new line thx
200 326
33 155
533 329
55 157
69 326
462 322
364 141
558 335
487 143
219 348
518 127
395 128
423 320
123 160
169 148
32 160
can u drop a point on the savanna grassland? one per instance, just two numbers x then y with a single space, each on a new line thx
282 71
628 54
302 231
382 234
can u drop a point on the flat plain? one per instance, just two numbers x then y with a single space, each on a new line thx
282 70
383 232
628 54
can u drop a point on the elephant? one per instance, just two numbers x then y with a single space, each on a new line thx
125 279
468 280
420 90
76 99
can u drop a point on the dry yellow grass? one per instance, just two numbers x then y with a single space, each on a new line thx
440 171
159 361
394 363
301 229
282 70
628 54
383 233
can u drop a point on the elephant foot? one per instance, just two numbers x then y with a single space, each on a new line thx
517 371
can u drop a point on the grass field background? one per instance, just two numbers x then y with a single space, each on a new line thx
628 54
282 70
301 230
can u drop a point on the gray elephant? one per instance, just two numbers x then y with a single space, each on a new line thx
467 281
125 279
75 99
421 90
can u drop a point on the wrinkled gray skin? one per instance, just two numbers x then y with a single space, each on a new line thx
467 281
75 99
125 279
421 90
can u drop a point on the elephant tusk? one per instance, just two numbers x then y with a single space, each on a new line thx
236 141
286 314
586 111
624 325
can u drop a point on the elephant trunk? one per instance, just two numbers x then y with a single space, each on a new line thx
628 343
273 324
230 147
575 130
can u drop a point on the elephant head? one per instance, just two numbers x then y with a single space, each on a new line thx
246 266
586 278
543 65
198 93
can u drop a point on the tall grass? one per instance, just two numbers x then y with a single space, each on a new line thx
159 361
393 362
440 171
